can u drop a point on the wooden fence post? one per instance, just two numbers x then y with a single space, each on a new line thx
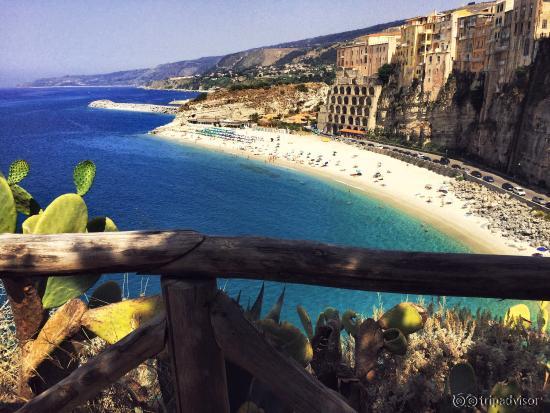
198 366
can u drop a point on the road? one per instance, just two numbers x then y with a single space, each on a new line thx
465 166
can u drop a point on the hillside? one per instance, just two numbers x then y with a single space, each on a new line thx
311 52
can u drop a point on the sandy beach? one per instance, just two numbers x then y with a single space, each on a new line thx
415 190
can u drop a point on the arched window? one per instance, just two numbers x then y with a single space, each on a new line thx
348 90
358 121
350 120
331 109
354 100
344 110
352 110
333 99
335 89
361 101
330 118
338 109
339 100
341 90
346 100
363 90
356 90
369 102
371 91
342 119
365 122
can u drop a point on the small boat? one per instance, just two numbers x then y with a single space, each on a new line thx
357 173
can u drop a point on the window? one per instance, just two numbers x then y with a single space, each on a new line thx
544 24
526 47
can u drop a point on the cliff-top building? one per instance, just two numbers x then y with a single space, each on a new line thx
474 33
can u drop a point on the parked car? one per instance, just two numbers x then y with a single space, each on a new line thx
488 178
507 186
444 161
538 200
370 144
518 191
426 158
385 147
456 166
435 160
477 174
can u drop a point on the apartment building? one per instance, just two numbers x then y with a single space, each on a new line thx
530 22
368 53
499 45
351 104
474 33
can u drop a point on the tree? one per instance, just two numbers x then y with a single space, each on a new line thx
385 72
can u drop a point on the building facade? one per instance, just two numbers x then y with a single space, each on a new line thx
351 103
474 33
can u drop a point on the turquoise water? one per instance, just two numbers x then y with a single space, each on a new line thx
144 182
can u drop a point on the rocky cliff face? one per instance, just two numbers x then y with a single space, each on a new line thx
508 130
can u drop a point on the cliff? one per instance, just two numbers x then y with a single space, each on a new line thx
507 130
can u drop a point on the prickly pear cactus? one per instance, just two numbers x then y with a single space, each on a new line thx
30 223
107 293
18 171
24 202
8 213
503 390
287 338
518 315
395 342
115 321
351 321
406 317
60 289
83 175
101 224
305 320
66 214
462 379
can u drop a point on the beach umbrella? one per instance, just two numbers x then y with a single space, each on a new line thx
542 249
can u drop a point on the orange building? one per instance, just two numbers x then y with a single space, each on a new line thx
474 34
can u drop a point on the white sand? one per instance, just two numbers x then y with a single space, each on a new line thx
403 185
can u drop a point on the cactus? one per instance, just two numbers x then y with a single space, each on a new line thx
30 223
66 214
254 312
24 202
107 293
8 213
59 289
115 321
504 390
83 175
518 315
275 312
305 320
542 319
101 224
462 379
327 315
395 342
287 338
406 317
250 407
351 321
18 171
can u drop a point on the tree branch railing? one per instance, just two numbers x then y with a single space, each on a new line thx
203 327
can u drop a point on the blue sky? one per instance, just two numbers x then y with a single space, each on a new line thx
56 37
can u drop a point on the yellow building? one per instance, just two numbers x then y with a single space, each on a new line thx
368 53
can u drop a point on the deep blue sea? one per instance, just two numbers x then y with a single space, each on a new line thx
144 182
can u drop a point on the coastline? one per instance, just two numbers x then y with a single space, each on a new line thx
403 188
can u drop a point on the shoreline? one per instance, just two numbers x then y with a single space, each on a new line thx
449 215
134 107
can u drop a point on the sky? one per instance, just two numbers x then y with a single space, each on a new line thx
43 38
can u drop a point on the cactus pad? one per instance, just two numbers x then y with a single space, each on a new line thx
518 314
107 293
288 339
115 321
18 171
59 289
24 202
101 224
8 213
462 379
83 175
406 317
30 223
66 214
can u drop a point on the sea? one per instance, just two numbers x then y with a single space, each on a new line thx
145 182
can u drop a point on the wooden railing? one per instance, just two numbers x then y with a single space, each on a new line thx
203 327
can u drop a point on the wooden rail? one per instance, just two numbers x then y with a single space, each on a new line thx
187 254
203 327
